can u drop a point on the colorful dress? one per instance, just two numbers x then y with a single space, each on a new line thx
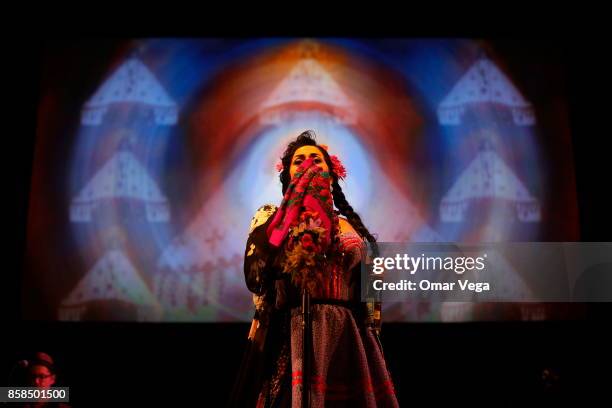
347 363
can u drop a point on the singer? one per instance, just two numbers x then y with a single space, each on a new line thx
302 264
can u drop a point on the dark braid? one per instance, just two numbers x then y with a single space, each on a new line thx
307 138
345 209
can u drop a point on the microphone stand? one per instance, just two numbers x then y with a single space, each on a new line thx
306 336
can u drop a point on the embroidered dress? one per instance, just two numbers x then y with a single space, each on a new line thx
347 366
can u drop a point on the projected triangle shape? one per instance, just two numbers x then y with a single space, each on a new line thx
308 83
121 177
132 83
484 83
112 277
487 176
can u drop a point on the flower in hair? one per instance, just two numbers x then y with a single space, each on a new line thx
338 167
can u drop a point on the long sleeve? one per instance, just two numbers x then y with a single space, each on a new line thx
258 272
259 266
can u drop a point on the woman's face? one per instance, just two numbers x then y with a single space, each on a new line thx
305 152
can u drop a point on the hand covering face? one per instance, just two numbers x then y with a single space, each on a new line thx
309 190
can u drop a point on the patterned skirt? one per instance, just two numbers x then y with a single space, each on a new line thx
347 365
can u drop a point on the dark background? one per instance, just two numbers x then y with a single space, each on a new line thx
195 364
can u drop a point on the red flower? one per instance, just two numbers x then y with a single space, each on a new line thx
338 166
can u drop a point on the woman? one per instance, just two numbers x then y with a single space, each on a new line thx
305 251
